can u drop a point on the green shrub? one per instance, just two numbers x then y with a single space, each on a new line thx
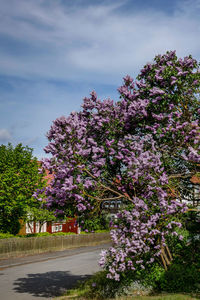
175 244
97 287
150 277
6 235
36 234
94 223
100 287
95 231
184 273
101 230
62 233
181 278
192 221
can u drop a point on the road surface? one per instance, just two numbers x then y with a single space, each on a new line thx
46 276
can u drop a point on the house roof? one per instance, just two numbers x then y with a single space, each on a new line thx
49 177
195 180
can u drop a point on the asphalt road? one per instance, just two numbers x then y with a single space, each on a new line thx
46 276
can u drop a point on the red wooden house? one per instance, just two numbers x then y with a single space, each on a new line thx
69 225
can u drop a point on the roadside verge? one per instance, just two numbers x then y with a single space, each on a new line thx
16 247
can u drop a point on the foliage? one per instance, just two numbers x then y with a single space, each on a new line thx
142 149
101 230
176 244
183 274
6 235
47 234
99 287
19 179
35 234
63 233
95 223
193 222
40 215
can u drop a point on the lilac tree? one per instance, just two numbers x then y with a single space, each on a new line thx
142 149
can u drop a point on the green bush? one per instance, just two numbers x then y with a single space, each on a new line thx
175 244
94 223
184 273
181 278
95 231
100 287
63 233
6 235
150 277
101 230
192 222
35 234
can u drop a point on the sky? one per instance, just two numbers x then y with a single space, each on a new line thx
53 53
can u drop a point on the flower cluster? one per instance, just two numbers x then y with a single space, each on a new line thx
129 150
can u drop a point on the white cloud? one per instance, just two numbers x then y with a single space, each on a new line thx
28 108
94 42
83 46
5 135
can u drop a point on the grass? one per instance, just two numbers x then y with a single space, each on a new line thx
95 287
155 297
163 297
99 287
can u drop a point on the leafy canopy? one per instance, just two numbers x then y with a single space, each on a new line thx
19 179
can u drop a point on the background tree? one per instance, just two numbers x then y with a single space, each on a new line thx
39 215
19 179
140 149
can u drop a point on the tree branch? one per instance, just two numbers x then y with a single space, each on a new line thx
104 199
108 188
183 175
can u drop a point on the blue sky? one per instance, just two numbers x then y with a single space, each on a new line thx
53 53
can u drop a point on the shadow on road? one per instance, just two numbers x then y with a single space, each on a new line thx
48 284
